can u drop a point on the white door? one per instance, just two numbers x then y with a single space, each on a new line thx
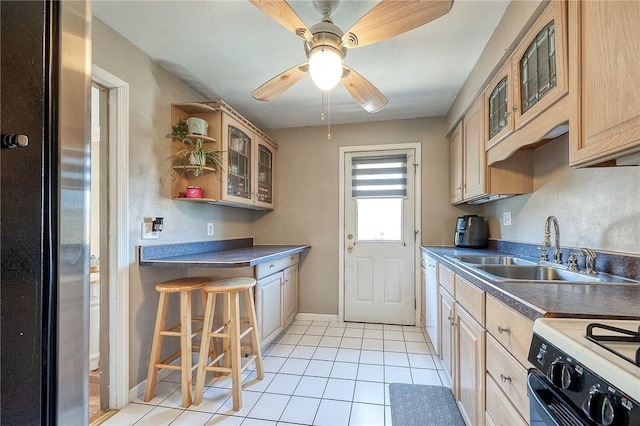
379 237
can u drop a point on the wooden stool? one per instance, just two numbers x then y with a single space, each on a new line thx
184 286
231 333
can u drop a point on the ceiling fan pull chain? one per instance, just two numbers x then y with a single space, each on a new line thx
329 113
322 111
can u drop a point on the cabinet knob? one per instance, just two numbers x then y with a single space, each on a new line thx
505 379
502 329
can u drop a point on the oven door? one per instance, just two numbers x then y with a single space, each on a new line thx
548 406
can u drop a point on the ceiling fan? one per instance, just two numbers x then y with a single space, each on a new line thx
326 45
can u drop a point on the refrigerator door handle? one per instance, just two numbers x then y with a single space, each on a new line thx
14 141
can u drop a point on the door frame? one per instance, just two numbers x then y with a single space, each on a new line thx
416 146
118 246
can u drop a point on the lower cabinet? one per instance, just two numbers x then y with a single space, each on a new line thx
499 409
470 347
276 296
269 309
289 294
447 335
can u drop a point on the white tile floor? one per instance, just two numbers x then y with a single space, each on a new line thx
317 373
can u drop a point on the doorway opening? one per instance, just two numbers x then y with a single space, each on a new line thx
110 211
379 228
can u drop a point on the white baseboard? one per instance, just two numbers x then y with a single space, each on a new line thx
316 317
138 390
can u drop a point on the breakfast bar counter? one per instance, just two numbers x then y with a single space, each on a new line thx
235 253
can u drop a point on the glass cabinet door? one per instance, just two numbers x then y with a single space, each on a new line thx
265 174
538 67
239 164
498 108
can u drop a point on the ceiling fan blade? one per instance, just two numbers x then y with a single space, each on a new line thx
282 13
392 17
278 84
365 93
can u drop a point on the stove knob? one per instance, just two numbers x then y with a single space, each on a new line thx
599 407
561 374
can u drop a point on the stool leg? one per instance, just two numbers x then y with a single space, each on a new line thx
255 338
203 359
156 346
236 365
185 346
226 342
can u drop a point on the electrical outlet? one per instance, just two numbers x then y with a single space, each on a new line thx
210 229
147 231
506 218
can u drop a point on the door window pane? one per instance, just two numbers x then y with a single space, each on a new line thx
379 219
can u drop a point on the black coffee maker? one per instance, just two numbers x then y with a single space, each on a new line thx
471 231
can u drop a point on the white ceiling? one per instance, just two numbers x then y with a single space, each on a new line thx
227 49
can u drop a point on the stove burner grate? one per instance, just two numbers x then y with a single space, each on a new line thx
627 336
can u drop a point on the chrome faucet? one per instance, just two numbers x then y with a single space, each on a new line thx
546 242
590 261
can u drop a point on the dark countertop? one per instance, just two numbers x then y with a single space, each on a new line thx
200 255
535 300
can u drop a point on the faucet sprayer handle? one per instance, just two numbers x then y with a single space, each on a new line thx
590 261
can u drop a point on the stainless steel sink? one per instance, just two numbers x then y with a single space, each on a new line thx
547 273
493 260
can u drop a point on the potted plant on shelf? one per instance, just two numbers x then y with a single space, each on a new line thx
194 157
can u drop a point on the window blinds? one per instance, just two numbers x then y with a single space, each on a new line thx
379 177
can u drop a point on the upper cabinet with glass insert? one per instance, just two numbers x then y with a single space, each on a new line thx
498 104
539 65
248 160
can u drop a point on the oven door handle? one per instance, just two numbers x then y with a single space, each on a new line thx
537 385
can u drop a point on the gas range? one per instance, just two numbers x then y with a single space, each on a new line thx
587 372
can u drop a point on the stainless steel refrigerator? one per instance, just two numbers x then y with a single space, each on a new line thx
45 81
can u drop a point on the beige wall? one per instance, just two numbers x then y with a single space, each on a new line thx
597 208
308 196
152 90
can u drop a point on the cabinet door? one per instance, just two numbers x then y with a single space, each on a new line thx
447 336
264 172
290 294
456 164
605 59
498 104
539 64
475 159
237 141
470 347
269 306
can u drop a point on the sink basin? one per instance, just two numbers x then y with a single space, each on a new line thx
493 260
535 273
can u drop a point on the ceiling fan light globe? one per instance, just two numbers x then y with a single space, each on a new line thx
325 67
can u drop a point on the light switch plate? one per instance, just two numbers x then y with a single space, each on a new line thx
506 218
210 229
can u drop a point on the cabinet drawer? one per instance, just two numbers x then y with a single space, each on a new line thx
471 298
499 409
446 279
509 375
268 268
510 328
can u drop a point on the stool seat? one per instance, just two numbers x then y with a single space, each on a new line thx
229 285
183 287
182 284
231 332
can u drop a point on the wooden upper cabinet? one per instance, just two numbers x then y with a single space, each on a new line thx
456 164
498 103
539 65
247 178
475 161
604 40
